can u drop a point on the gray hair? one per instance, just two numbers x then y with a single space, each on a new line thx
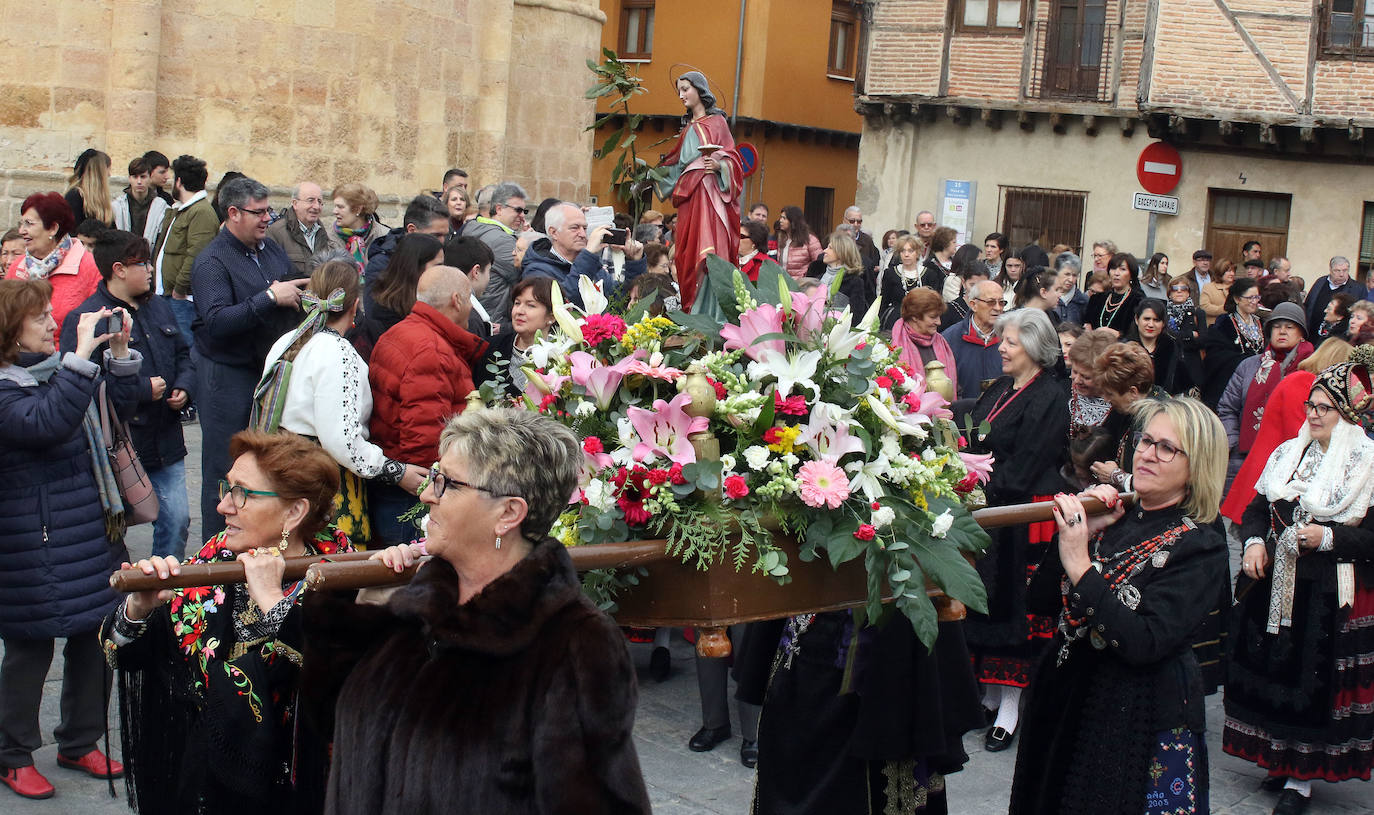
1035 332
557 215
484 196
328 256
440 283
1110 246
296 190
505 191
644 233
994 289
852 208
1276 262
1337 261
521 454
241 191
1069 259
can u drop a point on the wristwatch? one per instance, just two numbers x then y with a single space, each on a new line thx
271 295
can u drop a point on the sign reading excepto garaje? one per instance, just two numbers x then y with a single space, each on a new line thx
1163 204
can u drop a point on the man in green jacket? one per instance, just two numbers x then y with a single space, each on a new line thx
187 228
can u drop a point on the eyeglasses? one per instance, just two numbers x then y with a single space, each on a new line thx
1320 409
1251 298
440 483
1178 288
241 494
256 213
310 200
521 210
1165 451
991 301
925 226
853 220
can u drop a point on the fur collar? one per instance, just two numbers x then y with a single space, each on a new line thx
505 617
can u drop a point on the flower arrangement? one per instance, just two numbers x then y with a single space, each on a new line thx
786 415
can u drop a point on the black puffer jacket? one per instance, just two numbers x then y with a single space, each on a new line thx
156 428
55 558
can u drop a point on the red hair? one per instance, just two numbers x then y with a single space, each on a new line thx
52 210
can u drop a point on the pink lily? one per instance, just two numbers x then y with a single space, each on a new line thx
978 465
653 368
755 323
809 308
663 431
538 385
828 434
600 381
926 403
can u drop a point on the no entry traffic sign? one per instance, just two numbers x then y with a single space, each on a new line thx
1159 168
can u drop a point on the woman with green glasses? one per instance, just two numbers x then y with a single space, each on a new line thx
208 676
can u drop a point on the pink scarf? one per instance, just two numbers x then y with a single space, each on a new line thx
910 345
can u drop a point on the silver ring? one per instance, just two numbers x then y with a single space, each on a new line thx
1075 520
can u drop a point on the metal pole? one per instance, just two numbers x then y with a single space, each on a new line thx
1150 235
739 59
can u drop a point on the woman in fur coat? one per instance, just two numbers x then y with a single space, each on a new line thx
490 683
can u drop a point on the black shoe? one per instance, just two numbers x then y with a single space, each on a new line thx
1273 783
188 415
660 664
998 739
1292 802
749 753
707 738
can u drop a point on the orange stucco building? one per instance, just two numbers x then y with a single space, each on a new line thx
792 73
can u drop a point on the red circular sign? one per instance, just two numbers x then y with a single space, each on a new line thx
1159 168
749 157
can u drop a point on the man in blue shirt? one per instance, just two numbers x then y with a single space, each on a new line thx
245 299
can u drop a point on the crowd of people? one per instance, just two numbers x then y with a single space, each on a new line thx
329 364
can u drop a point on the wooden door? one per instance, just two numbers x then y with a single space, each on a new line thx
1235 217
1074 48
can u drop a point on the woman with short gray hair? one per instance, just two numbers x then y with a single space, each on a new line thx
491 680
1028 413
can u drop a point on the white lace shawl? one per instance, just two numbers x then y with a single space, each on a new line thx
1341 489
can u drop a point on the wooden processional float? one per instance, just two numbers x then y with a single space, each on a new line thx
669 593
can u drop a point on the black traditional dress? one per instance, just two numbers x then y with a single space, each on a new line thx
1300 677
1224 345
208 699
863 720
1027 441
1115 713
1112 310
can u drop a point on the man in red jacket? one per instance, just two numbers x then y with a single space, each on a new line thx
421 373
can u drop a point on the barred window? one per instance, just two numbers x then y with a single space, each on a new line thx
1043 216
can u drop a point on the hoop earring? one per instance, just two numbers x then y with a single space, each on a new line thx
284 533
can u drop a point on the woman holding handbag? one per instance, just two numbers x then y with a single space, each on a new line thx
61 523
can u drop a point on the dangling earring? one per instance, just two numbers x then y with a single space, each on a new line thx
284 533
498 541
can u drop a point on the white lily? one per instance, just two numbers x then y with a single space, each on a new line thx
869 322
893 423
547 350
841 342
867 478
570 325
789 370
593 301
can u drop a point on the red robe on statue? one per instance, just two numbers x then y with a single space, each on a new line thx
707 217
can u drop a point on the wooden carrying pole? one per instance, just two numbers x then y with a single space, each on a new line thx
355 571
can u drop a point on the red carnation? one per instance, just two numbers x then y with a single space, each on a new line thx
735 487
675 474
720 389
967 484
772 435
658 476
592 445
896 374
792 405
884 383
877 505
865 532
598 327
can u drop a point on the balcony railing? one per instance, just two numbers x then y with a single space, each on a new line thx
1071 61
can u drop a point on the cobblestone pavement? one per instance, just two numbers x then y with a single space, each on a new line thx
680 781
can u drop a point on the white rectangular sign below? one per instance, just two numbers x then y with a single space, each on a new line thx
1164 204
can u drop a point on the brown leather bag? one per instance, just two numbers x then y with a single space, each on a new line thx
140 501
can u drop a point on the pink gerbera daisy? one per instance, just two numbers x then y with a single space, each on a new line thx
823 484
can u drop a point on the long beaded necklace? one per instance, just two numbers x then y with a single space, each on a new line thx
1117 570
1109 311
1248 334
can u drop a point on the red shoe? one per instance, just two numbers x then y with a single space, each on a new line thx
27 781
93 764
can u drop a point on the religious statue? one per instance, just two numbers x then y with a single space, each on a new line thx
704 179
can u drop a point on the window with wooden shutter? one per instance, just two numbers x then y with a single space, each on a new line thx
636 29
